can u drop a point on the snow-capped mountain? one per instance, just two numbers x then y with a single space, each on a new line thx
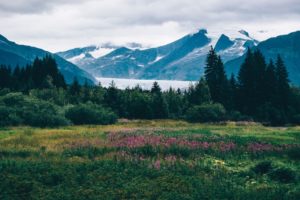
287 46
183 59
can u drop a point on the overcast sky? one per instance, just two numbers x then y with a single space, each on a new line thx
62 24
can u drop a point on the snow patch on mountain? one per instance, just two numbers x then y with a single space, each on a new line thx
183 59
101 51
76 59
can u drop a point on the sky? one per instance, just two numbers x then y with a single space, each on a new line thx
58 25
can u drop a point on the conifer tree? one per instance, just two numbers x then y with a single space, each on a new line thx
155 88
251 82
283 88
271 83
75 87
216 78
159 104
112 98
16 78
232 93
5 77
176 103
199 93
259 74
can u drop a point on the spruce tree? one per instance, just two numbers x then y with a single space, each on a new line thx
251 83
176 103
159 104
5 77
86 92
232 93
283 87
199 93
75 88
17 77
112 98
271 83
259 81
155 88
216 78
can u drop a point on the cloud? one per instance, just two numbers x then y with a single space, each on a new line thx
32 6
62 24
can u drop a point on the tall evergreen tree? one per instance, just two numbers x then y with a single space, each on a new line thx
159 104
199 93
86 92
155 88
216 78
176 103
259 71
75 87
5 77
232 93
271 83
251 82
283 88
112 98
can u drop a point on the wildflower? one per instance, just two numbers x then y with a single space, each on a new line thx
157 165
171 159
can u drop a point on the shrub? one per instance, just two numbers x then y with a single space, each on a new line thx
263 167
296 119
206 113
19 109
90 114
271 115
294 153
8 117
237 116
283 175
43 114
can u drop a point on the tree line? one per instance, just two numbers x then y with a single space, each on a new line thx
260 92
42 73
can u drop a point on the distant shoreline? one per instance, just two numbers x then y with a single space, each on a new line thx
144 84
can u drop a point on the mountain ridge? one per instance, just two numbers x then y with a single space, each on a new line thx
175 61
14 54
287 46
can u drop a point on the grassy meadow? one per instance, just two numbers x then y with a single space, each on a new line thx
150 160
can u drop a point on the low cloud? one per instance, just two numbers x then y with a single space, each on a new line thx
63 24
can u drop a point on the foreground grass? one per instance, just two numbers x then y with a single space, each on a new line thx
150 160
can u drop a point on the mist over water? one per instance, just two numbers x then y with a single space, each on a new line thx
144 84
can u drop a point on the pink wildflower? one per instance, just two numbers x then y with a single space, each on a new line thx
157 165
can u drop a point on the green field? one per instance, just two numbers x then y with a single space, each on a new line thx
150 160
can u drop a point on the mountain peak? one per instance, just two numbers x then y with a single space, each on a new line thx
2 38
245 33
199 32
223 43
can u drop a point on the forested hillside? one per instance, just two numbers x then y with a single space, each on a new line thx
261 92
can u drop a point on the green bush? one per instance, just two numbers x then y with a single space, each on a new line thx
271 115
43 114
283 175
8 116
237 116
19 109
296 119
263 167
294 153
206 113
90 114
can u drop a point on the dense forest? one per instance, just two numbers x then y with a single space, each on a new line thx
37 95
